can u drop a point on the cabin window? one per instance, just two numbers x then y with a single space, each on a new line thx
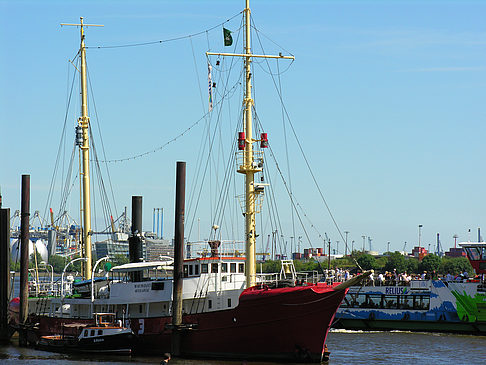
92 333
229 302
214 268
374 301
356 300
140 308
233 267
204 268
190 269
85 333
391 301
241 268
421 302
100 332
473 253
186 271
405 301
159 285
196 270
210 303
224 267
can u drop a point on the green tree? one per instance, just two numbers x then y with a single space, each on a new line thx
271 266
33 259
380 263
77 265
366 261
14 265
305 265
412 265
396 261
120 260
455 265
58 263
430 263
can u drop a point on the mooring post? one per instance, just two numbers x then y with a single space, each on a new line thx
135 239
24 258
4 272
178 258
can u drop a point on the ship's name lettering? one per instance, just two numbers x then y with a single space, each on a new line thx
140 288
394 290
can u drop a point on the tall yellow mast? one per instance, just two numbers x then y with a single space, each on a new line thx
249 168
83 122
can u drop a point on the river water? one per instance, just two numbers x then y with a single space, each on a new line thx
347 347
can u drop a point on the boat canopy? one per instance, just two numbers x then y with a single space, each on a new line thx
137 266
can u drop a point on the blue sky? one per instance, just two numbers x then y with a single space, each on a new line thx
386 97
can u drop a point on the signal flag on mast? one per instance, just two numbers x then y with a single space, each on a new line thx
210 88
228 39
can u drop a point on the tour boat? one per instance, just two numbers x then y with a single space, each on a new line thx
454 306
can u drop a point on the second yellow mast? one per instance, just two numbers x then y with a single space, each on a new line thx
83 122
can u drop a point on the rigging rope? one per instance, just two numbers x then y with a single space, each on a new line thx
63 133
166 40
284 110
103 150
305 158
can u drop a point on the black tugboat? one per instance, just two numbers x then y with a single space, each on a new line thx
104 336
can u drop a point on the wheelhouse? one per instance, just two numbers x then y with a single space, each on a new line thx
476 254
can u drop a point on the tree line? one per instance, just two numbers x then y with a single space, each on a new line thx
390 261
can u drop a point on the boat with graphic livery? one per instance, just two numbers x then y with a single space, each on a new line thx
457 306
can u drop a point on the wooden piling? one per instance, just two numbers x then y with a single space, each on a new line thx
178 258
4 273
24 257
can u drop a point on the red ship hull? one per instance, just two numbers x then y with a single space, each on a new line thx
284 324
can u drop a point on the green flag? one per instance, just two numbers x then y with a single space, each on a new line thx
228 40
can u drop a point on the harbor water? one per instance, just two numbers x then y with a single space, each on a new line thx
347 347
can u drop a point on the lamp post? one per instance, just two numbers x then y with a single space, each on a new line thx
51 286
64 271
364 237
420 234
388 247
92 280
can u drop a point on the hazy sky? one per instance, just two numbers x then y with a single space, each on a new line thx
386 97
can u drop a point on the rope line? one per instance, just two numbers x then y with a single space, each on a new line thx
169 39
168 142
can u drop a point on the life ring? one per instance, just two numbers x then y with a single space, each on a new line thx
406 316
